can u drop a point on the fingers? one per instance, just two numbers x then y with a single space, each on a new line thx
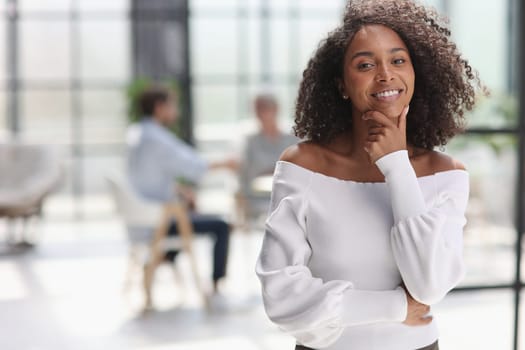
384 120
423 309
428 319
422 321
425 320
384 135
379 118
376 130
367 150
417 313
375 133
402 120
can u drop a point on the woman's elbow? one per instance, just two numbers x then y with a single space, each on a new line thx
432 290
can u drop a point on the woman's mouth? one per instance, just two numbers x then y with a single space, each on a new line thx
388 95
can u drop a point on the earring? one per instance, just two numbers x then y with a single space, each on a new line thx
345 97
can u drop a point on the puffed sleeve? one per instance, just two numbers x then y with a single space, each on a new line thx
427 240
314 311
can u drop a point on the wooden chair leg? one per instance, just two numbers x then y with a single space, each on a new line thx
180 213
133 262
155 257
149 276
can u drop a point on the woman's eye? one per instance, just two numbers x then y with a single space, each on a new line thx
364 66
399 61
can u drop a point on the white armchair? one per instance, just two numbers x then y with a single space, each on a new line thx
28 174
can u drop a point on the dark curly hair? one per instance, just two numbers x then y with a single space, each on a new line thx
445 86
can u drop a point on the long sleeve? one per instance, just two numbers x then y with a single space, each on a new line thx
427 240
182 160
314 311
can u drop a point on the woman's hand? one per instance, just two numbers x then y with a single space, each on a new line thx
384 135
416 312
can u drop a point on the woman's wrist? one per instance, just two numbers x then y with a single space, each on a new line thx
394 162
406 197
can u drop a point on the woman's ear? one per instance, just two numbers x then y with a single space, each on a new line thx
341 87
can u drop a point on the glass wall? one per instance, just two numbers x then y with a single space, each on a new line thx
489 149
487 48
241 48
74 63
3 71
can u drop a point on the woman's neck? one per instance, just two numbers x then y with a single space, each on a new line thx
350 144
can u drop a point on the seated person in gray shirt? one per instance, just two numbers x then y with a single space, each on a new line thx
261 152
156 158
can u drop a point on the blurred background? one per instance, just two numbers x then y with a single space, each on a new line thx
69 70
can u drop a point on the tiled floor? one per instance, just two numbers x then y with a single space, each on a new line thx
67 294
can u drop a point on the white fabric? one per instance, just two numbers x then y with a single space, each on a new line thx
27 174
335 253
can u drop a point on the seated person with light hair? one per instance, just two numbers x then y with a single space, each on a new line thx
261 152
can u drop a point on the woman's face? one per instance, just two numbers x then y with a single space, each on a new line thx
378 72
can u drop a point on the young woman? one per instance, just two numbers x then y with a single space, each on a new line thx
366 222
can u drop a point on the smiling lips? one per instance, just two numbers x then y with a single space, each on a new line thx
388 95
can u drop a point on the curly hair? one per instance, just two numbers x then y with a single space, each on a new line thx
445 86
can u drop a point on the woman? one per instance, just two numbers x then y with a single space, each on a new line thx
366 221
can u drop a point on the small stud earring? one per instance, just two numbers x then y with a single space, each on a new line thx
345 97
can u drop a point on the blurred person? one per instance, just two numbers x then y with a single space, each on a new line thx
365 229
158 159
261 152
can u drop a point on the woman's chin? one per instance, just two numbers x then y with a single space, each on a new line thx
392 112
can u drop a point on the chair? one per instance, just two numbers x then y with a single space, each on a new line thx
252 207
147 224
28 174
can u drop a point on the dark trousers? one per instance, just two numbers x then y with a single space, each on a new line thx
220 231
433 346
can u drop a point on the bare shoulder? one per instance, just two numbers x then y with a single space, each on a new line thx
439 161
304 154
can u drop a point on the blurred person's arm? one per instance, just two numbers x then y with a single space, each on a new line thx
182 160
246 168
229 163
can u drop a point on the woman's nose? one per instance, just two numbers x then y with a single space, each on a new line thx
383 74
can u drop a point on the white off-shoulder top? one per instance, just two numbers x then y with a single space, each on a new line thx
335 253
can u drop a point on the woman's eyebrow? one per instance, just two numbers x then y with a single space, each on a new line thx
397 49
371 54
362 53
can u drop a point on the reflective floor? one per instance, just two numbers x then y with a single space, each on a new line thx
68 293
